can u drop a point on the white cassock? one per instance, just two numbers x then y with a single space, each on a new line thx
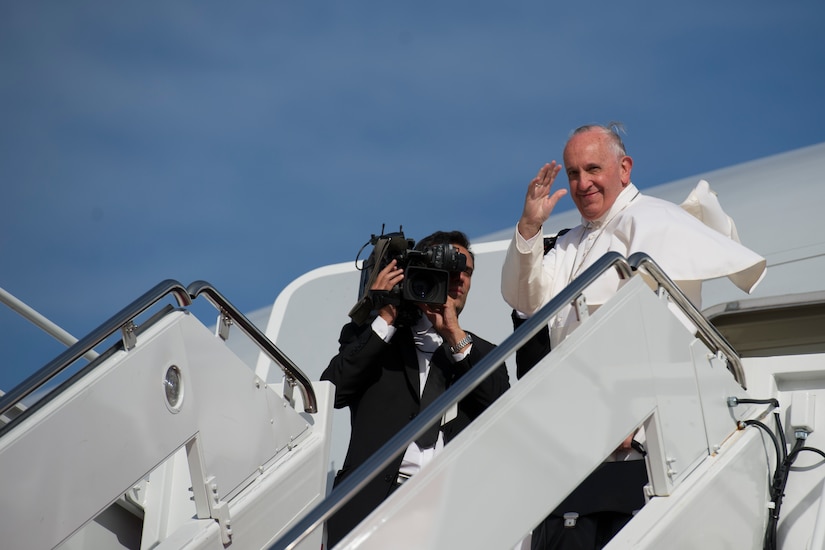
691 243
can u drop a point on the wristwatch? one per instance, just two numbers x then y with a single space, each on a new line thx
461 344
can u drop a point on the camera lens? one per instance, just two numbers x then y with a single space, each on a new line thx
422 285
425 285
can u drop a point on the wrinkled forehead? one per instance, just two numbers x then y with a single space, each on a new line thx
587 146
591 141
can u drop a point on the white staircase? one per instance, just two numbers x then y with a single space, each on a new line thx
174 443
633 363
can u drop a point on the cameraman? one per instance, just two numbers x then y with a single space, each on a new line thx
389 370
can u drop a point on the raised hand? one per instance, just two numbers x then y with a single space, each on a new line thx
444 319
539 203
387 278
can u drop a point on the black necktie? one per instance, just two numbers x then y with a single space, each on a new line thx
434 387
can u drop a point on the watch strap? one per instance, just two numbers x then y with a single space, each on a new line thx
461 344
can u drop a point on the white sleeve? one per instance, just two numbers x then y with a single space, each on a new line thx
525 285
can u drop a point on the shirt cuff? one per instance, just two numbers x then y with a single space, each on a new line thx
382 329
525 246
462 354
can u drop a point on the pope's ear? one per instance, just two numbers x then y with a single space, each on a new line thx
627 166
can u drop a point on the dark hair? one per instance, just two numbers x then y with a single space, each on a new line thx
446 237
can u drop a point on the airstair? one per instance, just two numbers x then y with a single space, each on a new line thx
164 440
646 359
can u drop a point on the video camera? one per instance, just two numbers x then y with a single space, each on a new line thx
426 273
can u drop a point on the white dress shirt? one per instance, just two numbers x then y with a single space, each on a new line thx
427 340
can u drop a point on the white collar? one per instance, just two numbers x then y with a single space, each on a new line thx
622 201
425 337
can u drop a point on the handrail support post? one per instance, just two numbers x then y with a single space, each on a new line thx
129 335
289 385
580 305
223 325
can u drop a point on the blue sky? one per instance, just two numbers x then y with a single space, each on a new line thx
246 143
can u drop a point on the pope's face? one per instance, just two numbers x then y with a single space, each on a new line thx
597 174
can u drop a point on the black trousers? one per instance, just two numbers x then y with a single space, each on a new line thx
604 502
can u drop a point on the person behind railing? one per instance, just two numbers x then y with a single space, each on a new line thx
617 217
389 369
691 243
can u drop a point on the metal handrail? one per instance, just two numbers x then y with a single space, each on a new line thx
39 320
383 456
706 331
88 342
291 371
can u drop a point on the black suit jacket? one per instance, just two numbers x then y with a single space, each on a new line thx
379 382
533 350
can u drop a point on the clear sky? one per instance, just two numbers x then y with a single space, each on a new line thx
246 143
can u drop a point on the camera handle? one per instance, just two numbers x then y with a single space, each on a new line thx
371 301
381 298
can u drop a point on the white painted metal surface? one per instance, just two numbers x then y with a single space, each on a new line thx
722 504
632 361
231 436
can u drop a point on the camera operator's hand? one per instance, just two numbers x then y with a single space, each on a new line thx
387 278
445 320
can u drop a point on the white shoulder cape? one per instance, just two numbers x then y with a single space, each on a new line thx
696 242
692 243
